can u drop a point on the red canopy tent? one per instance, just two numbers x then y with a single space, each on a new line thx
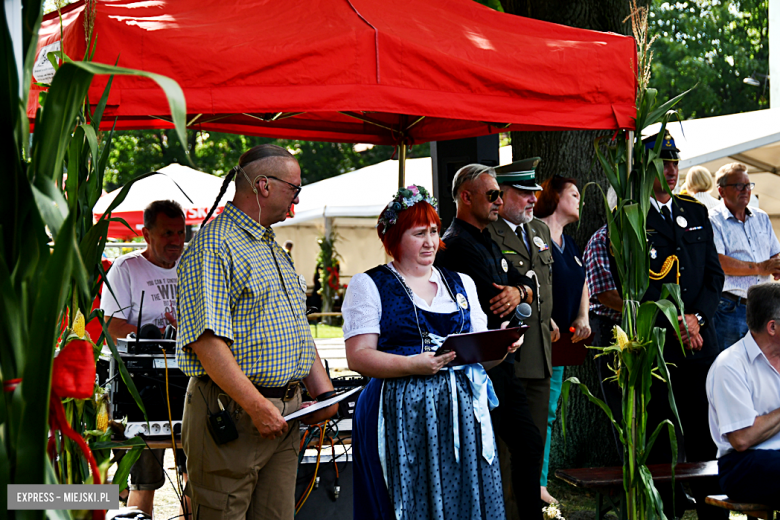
376 71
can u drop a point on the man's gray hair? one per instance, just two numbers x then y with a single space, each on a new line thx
763 305
468 173
722 175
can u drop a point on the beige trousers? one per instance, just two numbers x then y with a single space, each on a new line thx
250 477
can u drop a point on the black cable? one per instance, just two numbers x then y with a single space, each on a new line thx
162 466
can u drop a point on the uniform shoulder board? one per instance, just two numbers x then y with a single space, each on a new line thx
689 198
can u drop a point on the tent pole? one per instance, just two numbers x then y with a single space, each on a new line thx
402 165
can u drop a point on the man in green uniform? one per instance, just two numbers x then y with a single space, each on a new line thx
525 241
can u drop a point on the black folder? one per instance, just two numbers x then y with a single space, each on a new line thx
476 347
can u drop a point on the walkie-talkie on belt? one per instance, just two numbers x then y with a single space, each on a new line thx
221 425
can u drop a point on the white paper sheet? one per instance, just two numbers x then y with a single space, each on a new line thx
319 406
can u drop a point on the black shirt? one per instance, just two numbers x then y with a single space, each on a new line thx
472 252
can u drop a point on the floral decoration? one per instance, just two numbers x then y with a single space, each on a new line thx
404 198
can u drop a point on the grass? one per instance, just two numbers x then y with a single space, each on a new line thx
326 331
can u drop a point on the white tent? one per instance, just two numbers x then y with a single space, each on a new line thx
351 203
201 188
752 138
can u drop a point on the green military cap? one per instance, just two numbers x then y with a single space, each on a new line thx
520 174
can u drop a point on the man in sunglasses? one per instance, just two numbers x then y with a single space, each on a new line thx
748 250
500 288
526 243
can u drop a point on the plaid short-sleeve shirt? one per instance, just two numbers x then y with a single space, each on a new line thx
236 281
598 273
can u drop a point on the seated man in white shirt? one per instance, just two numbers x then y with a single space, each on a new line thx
743 389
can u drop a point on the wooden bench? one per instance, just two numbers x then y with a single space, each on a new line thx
608 482
752 510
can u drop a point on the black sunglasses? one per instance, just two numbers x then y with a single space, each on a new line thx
493 195
743 186
293 186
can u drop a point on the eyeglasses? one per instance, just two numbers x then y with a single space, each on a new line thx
293 186
740 186
494 195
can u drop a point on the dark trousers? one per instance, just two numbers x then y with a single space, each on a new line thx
730 322
751 476
513 424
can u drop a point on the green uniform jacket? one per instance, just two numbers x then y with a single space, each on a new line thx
535 361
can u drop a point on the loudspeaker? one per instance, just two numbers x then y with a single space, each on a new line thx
447 157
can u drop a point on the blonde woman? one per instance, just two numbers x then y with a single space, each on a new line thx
698 183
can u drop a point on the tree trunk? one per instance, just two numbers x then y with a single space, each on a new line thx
589 440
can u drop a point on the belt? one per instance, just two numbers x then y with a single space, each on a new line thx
285 393
733 297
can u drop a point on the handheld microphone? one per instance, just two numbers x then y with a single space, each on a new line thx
522 313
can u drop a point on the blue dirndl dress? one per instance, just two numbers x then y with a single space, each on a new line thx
423 445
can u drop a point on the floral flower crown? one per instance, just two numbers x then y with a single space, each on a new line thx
404 198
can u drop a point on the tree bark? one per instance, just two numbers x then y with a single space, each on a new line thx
589 440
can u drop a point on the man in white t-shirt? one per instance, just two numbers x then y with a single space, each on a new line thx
151 273
743 389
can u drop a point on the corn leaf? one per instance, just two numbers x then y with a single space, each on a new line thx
36 382
566 389
657 114
53 132
123 469
121 365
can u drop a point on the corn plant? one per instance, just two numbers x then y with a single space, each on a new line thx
638 346
50 253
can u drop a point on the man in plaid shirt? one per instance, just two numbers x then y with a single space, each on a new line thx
245 342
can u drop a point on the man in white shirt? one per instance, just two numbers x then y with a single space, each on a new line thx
151 273
743 389
748 250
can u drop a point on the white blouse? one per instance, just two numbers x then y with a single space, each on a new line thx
362 307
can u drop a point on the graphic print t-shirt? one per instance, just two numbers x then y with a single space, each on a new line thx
132 274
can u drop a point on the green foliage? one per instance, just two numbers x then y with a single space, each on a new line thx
493 4
637 352
713 46
135 152
50 252
328 268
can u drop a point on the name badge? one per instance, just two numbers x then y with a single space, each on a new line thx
538 242
463 303
504 265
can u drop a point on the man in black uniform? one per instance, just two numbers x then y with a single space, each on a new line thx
679 235
500 287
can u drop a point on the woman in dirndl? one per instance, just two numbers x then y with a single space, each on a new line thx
423 440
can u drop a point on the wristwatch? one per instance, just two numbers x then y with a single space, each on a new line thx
699 318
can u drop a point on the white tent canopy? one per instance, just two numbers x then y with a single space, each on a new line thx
351 203
364 192
201 188
752 138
